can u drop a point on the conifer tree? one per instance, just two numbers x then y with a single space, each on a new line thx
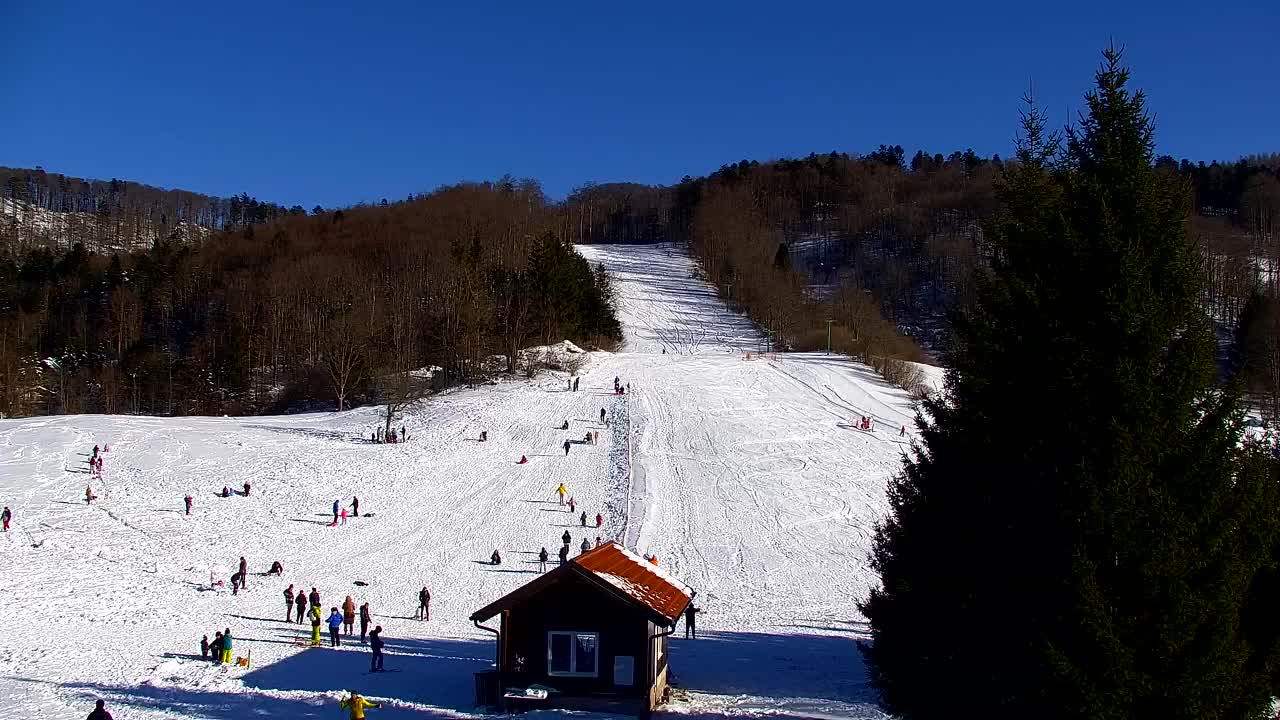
1081 532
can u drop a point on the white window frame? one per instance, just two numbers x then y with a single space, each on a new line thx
573 654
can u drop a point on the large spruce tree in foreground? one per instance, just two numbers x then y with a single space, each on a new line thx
1080 532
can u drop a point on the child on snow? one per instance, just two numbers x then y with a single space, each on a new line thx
335 624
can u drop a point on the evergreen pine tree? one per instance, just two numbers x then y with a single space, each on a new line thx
1080 532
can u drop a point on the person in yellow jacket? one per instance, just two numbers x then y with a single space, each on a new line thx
561 491
357 704
315 626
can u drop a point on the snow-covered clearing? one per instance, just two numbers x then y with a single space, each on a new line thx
749 482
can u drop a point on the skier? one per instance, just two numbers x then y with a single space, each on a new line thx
244 572
357 705
561 491
246 488
215 649
586 544
595 438
348 615
542 560
587 439
226 491
88 494
484 435
314 597
691 622
315 626
276 568
375 644
365 617
424 603
575 384
601 416
564 553
187 501
235 583
335 624
573 506
288 604
599 520
204 648
99 712
355 506
5 517
343 514
904 431
495 558
226 646
300 603
565 426
565 537
402 433
335 513
583 519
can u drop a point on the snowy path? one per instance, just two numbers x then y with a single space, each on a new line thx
749 483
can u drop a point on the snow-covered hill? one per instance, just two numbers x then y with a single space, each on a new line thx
745 477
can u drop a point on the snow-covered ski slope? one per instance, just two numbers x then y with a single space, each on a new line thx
747 480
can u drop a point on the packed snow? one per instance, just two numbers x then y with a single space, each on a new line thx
747 478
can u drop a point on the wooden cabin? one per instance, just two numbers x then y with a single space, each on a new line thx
592 632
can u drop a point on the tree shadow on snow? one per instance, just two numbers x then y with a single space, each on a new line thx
823 667
345 437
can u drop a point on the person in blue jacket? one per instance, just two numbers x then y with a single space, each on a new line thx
335 512
335 625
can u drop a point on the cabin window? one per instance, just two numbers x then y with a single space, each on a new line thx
573 654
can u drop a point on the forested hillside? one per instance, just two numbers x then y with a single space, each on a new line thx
40 209
886 247
307 311
164 301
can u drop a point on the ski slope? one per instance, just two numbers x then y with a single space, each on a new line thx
745 477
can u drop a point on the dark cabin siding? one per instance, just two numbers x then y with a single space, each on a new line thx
575 604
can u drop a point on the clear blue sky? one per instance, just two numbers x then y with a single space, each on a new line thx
309 103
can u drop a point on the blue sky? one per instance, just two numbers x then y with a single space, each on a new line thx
314 103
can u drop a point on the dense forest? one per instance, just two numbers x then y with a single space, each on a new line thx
122 297
371 304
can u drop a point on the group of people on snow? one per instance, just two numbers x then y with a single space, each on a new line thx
219 650
381 435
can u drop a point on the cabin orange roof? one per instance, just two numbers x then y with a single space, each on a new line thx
616 569
637 578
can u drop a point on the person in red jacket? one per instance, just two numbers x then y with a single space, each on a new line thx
599 520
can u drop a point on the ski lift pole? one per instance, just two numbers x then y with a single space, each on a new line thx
829 336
